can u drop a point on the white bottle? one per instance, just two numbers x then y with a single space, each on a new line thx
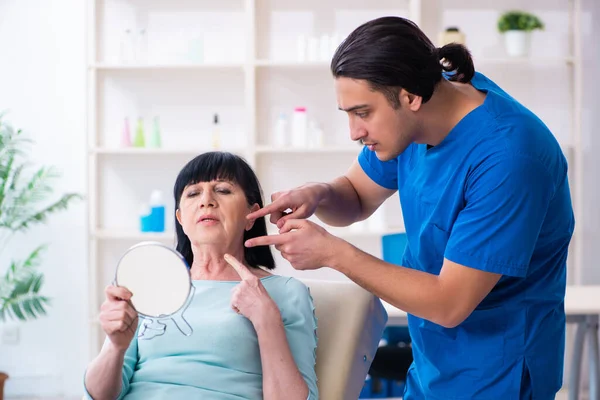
335 41
315 135
299 127
301 48
216 133
313 49
325 48
126 47
141 51
280 134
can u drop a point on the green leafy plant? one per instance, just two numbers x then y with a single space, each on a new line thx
519 21
24 202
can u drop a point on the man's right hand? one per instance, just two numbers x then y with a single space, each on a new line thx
302 201
118 318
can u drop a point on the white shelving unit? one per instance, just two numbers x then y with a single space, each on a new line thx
245 69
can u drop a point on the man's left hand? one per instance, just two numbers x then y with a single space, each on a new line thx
304 244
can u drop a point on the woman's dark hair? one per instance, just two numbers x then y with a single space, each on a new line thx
222 165
392 53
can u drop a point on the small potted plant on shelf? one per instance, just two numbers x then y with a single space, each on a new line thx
23 204
516 27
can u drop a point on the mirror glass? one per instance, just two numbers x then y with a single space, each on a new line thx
159 279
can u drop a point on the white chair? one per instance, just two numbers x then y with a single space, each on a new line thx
350 323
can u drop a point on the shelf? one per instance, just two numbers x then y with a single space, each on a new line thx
550 61
292 64
155 151
193 151
166 67
348 234
308 150
367 234
123 234
310 64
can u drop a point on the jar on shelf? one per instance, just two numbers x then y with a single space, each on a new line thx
451 35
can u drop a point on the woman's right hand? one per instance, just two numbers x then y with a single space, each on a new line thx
118 318
302 201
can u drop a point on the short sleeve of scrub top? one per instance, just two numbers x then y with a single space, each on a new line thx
385 174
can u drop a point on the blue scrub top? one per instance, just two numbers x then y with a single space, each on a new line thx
493 195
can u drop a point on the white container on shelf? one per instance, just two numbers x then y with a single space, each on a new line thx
451 35
315 135
126 47
301 48
299 127
280 133
325 48
336 40
141 47
313 49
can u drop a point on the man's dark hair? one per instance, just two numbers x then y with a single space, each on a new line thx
392 53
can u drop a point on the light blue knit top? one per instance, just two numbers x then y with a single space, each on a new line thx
221 359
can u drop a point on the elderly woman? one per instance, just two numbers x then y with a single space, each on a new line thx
254 333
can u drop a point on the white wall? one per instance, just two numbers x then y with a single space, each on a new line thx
42 78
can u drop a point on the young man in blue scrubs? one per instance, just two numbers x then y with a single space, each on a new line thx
486 204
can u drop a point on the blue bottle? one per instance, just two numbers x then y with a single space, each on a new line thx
145 219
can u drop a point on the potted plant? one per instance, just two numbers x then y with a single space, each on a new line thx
516 27
24 202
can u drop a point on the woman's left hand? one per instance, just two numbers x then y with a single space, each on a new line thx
250 298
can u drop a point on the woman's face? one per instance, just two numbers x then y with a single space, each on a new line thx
214 213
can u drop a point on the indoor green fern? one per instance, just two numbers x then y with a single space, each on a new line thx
23 203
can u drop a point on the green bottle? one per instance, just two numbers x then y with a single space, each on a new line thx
138 140
154 139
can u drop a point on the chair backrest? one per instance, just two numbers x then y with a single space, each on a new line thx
350 323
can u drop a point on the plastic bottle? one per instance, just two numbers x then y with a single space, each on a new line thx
315 135
299 127
139 140
280 137
126 134
154 140
141 50
336 40
216 132
301 44
325 48
126 47
145 218
157 211
313 49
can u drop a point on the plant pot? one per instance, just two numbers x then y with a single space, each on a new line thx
3 377
517 43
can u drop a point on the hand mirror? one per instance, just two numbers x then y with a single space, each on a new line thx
159 279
